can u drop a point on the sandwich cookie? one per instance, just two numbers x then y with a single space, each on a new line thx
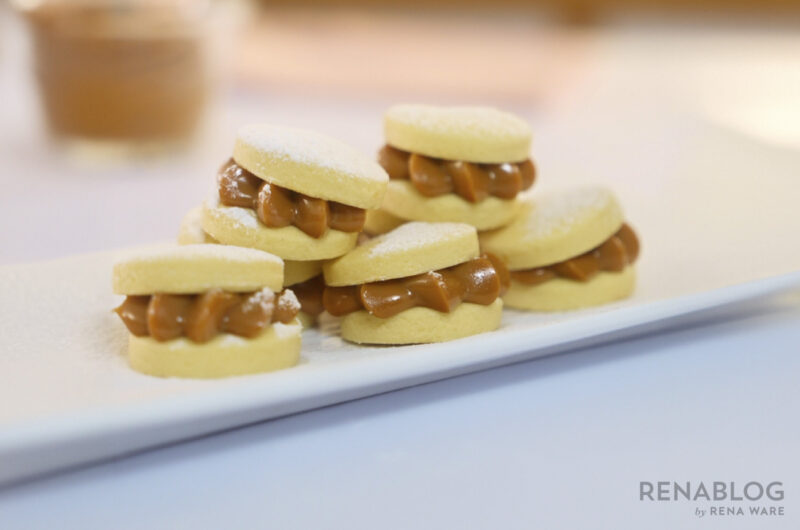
297 194
207 311
566 251
462 164
421 282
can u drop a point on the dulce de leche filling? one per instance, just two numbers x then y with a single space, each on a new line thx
277 207
613 255
472 182
478 281
309 294
200 317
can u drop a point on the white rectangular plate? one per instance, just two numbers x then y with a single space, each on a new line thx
710 237
68 397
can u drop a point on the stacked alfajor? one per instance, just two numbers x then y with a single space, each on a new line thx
419 283
454 164
566 250
206 311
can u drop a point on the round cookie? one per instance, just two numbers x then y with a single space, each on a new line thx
299 271
380 221
233 225
422 325
472 134
310 163
403 200
412 248
189 269
554 227
223 356
560 294
191 229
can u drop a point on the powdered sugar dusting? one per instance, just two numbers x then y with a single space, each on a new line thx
478 121
245 217
287 300
264 298
554 213
311 149
283 331
416 235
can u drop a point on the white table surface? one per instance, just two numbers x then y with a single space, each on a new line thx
555 443
561 442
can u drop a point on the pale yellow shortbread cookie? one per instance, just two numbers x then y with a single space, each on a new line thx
403 200
473 134
554 227
560 294
380 221
223 356
422 325
191 229
190 269
412 248
299 271
310 163
232 225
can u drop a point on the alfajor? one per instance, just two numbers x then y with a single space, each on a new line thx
297 194
566 250
206 311
419 283
460 164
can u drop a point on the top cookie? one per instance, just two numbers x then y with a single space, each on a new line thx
310 163
189 269
471 134
410 249
554 227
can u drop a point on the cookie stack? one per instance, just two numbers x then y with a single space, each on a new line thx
471 165
425 246
296 194
303 197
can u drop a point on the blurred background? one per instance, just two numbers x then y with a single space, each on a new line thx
116 114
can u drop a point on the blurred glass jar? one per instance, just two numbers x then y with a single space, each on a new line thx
133 71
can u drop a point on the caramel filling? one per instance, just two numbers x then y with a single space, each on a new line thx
309 294
614 254
433 177
478 281
277 207
200 317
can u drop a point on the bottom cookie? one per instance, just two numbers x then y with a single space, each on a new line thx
560 294
422 325
225 355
